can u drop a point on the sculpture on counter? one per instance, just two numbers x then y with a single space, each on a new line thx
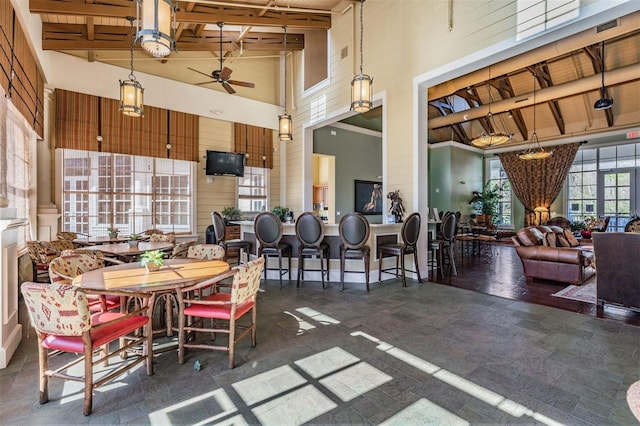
397 205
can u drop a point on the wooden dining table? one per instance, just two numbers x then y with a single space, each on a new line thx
172 275
127 252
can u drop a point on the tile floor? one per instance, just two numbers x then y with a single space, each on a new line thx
427 354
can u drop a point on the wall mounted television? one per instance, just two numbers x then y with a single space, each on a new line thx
224 164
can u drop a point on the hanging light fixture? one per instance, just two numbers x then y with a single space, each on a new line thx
603 103
493 138
284 120
131 91
361 85
156 32
534 150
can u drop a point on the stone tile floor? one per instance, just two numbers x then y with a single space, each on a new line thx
427 354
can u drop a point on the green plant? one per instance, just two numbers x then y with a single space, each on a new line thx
487 200
577 225
231 212
152 256
135 237
112 230
281 212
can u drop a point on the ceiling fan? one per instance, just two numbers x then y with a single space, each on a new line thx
222 74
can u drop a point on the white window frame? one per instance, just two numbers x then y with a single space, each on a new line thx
248 170
503 178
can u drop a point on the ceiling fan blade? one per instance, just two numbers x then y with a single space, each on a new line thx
205 82
225 73
241 83
199 72
228 88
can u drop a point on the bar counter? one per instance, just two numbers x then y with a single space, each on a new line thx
380 234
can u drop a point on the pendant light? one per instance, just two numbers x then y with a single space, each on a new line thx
534 151
603 103
284 120
131 91
361 85
493 138
156 32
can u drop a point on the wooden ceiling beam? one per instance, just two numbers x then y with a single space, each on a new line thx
80 8
594 53
76 37
503 85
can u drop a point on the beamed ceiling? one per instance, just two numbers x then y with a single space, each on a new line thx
567 77
567 74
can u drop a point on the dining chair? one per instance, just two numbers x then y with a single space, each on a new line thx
169 237
206 252
354 233
310 234
410 233
445 245
220 230
225 309
268 231
180 250
61 315
153 231
40 258
66 235
63 269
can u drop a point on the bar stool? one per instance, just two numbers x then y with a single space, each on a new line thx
268 230
310 233
219 230
410 233
354 233
445 243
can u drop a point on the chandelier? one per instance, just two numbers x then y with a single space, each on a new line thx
493 137
361 85
131 91
534 150
284 120
156 32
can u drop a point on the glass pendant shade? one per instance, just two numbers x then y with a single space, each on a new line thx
361 93
284 127
155 34
485 140
535 151
131 98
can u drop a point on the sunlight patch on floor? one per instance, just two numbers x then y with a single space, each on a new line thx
195 411
268 385
294 408
424 412
318 316
355 381
483 394
326 362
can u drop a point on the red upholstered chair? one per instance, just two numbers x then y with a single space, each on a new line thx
63 322
63 269
225 309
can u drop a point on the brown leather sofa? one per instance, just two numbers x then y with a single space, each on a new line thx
565 264
618 268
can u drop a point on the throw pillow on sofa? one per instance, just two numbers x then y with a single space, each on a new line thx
549 239
562 241
573 241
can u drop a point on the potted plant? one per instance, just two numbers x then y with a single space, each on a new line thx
577 226
487 200
231 213
134 240
281 212
113 232
152 260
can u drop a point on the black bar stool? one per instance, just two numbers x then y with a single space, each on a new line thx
268 230
354 233
310 233
410 233
219 229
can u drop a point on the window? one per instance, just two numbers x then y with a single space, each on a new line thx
536 16
497 176
131 193
252 190
17 139
605 182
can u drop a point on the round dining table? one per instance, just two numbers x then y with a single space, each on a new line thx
172 275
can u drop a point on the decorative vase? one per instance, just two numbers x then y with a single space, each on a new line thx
113 235
586 233
152 267
133 243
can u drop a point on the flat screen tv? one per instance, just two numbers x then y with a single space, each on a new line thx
224 164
